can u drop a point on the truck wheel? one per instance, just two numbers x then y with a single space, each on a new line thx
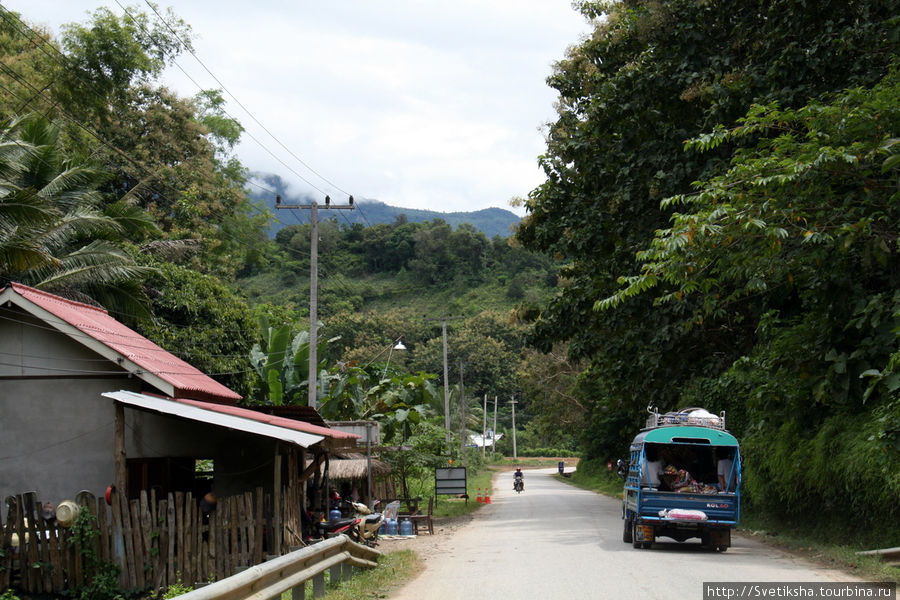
634 542
627 533
722 548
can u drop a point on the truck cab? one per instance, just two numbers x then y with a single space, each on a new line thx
682 480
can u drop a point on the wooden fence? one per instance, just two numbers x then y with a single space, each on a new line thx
155 541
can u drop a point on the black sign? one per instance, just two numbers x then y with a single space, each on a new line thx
450 480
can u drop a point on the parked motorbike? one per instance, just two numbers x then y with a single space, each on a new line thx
369 523
323 530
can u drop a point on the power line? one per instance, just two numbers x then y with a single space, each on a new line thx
62 60
246 110
142 168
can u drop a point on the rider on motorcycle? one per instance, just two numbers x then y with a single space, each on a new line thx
518 477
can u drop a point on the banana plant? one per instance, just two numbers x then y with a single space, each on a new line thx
281 363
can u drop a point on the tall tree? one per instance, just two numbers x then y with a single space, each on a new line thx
652 75
56 233
806 221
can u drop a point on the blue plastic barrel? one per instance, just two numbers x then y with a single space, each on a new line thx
392 526
406 527
334 515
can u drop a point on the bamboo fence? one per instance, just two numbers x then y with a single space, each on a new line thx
155 542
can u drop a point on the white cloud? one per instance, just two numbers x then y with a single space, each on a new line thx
417 104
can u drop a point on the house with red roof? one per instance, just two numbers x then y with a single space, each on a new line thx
86 402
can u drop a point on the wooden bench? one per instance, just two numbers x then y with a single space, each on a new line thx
426 518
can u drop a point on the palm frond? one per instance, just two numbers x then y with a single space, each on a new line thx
171 250
25 208
78 224
134 221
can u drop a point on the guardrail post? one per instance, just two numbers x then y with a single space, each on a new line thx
346 571
319 585
335 578
298 592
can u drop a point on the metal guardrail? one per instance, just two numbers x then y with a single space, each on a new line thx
291 572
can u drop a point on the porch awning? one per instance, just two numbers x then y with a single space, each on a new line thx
238 419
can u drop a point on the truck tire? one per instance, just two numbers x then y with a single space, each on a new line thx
634 542
627 532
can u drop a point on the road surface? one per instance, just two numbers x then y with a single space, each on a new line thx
558 541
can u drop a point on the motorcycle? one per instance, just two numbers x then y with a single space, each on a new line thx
518 485
369 523
323 530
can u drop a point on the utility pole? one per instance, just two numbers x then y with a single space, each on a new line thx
484 427
314 286
494 437
443 321
462 417
515 452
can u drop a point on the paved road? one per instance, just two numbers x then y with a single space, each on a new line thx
557 541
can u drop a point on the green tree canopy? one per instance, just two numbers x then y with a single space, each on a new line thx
56 233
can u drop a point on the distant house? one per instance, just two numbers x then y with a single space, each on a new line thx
86 402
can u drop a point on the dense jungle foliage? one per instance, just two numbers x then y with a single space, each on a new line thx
722 185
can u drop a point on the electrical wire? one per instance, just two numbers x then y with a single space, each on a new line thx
250 114
61 60
42 93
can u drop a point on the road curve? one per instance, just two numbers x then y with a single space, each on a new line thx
558 541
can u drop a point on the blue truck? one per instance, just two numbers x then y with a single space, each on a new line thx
682 480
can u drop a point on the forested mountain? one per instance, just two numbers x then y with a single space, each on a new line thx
490 221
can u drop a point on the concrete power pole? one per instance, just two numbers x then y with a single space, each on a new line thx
484 427
494 439
314 286
462 418
446 385
513 403
443 321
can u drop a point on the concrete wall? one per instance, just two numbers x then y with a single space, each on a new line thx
56 437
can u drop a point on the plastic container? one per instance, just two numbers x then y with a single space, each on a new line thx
383 529
406 527
334 515
66 513
391 526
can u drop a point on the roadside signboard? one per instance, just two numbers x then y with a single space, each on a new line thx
450 480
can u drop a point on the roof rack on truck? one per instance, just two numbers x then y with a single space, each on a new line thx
697 417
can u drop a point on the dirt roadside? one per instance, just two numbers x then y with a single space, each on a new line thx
425 544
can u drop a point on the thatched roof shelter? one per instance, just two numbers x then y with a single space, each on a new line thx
354 466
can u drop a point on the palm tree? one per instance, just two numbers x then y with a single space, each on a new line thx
56 232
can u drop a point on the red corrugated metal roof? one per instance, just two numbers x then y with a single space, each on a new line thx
96 323
255 415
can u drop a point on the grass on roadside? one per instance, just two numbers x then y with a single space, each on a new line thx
394 569
447 506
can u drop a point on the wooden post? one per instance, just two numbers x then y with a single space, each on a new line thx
318 585
119 449
276 512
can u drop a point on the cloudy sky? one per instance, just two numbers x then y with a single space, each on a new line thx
436 105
